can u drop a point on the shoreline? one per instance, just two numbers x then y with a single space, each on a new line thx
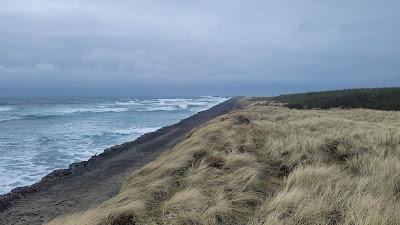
23 204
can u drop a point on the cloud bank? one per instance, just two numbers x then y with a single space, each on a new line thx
196 47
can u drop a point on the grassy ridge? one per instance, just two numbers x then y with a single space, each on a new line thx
267 165
374 98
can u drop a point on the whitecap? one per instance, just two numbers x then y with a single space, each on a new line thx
66 111
157 108
183 106
172 104
127 103
98 110
5 108
3 119
136 130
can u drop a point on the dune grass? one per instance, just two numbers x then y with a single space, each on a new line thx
268 165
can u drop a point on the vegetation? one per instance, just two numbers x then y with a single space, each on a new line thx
268 165
375 98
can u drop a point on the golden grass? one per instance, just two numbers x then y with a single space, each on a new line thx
268 165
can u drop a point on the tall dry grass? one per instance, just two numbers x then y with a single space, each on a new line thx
268 165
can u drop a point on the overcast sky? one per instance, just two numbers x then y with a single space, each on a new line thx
203 47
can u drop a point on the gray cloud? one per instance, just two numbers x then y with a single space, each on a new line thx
196 47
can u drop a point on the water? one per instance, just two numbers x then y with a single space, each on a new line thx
39 135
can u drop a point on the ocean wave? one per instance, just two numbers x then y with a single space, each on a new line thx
157 108
45 140
36 116
138 105
28 117
94 110
66 111
129 102
5 108
36 144
4 119
134 132
171 104
49 114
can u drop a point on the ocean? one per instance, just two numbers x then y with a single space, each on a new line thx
39 135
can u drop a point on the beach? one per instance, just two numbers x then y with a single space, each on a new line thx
88 183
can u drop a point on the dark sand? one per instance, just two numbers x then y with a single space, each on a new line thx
91 182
